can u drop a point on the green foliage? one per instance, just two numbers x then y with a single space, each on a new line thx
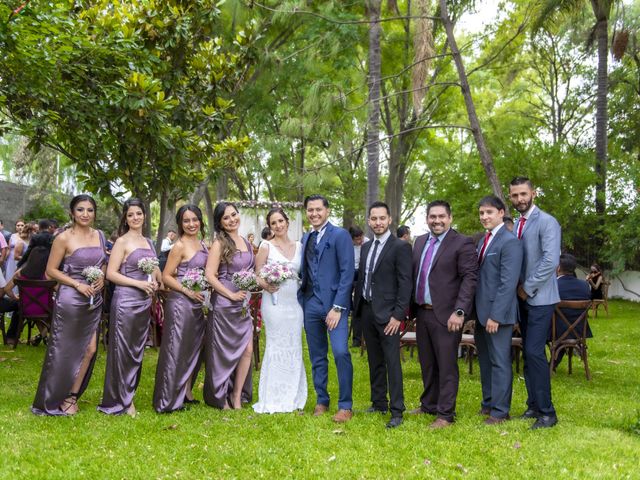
49 207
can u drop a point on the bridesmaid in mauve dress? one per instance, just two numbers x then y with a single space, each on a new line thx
72 344
183 330
229 333
130 310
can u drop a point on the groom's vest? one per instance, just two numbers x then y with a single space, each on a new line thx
311 261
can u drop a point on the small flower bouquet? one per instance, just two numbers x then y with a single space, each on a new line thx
276 273
92 274
245 280
195 280
148 265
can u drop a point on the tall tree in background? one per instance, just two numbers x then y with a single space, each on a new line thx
373 121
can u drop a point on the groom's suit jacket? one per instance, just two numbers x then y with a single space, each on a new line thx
334 276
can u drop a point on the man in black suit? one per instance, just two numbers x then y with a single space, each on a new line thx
570 288
382 296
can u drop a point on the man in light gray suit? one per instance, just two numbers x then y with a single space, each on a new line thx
500 259
540 235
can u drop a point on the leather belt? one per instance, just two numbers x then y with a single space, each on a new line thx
426 306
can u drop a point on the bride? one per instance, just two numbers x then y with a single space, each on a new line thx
283 381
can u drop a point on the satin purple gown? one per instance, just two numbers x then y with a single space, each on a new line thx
228 332
130 317
182 338
74 323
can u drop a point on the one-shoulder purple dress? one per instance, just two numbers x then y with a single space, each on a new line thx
130 317
227 335
74 323
182 338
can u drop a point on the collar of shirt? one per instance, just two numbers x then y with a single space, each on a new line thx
383 238
496 230
527 214
320 231
439 237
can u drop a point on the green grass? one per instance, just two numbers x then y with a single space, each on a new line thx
597 436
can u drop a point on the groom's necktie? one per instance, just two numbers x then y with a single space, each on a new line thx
310 260
424 272
372 264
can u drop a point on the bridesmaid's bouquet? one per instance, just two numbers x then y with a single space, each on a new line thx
194 279
276 273
245 280
92 274
148 265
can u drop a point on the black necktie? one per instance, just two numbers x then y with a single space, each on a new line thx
372 264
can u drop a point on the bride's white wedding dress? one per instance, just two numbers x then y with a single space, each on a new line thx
283 381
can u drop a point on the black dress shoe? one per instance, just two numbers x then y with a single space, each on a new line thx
529 413
394 422
373 409
545 421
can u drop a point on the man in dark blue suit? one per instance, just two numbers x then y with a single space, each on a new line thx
570 288
500 259
325 295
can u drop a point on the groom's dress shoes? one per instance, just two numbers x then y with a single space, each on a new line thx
529 413
320 410
342 416
394 422
545 421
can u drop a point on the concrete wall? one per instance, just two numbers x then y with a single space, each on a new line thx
625 285
15 202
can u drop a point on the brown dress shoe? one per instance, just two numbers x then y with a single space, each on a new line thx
342 416
496 420
320 410
440 423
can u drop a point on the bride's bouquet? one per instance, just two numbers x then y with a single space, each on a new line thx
245 280
92 274
148 265
276 273
195 280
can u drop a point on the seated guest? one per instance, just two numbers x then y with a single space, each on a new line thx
404 233
9 303
595 280
570 288
32 267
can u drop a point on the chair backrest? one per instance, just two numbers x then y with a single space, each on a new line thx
36 298
559 316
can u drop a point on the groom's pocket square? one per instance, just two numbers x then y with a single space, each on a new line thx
490 254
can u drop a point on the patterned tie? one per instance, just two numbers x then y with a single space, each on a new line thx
521 226
422 281
370 270
484 246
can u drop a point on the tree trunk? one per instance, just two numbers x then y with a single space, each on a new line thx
373 119
198 194
209 209
222 187
164 203
485 155
601 126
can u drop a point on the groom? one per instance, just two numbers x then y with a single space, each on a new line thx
325 296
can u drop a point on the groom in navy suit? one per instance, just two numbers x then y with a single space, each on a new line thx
325 295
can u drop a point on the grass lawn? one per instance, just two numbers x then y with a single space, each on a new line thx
597 437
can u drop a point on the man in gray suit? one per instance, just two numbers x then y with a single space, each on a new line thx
500 259
540 235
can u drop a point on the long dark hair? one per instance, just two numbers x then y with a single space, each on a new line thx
83 197
189 208
36 257
228 245
132 202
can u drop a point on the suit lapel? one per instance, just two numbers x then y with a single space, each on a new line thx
531 220
324 240
443 246
494 243
385 249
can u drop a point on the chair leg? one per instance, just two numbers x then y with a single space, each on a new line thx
570 354
583 354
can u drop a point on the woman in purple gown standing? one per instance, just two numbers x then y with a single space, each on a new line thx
130 313
72 345
183 330
229 334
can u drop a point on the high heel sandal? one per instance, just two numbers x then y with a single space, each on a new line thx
68 404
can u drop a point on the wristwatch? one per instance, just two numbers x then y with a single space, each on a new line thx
459 312
337 308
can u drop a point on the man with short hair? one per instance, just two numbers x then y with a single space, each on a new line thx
500 259
570 288
382 296
445 272
404 233
325 295
540 235
165 247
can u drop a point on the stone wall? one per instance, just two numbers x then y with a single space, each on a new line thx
15 202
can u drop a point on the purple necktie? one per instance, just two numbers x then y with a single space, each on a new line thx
422 281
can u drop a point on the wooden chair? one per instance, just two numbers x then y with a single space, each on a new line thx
516 346
604 301
574 337
408 337
468 343
35 303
